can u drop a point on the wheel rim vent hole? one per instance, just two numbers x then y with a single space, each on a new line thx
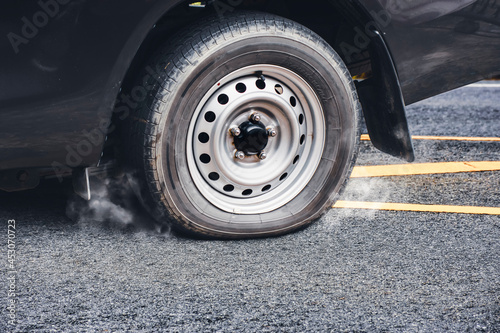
278 89
223 99
301 119
241 88
296 159
266 188
293 101
283 176
203 137
210 116
229 188
247 192
214 176
260 84
205 158
302 139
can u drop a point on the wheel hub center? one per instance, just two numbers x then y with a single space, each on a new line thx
252 139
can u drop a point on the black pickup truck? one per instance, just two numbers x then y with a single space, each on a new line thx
235 118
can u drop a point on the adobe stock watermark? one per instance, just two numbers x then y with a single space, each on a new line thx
31 26
126 102
362 37
12 302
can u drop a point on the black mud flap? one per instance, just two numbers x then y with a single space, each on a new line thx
383 104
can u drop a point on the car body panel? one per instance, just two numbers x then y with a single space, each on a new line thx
440 45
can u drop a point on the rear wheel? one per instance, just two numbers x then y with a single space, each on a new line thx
250 129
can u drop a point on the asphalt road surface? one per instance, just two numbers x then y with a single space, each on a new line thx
355 270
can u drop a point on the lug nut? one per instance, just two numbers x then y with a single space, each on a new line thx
262 155
239 155
235 131
255 118
272 132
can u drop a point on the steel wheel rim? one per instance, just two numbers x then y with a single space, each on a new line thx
286 103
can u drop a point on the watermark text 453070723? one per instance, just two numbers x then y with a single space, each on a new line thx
11 272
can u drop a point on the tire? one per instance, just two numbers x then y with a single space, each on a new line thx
220 76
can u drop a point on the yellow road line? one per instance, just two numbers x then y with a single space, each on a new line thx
418 208
366 137
422 169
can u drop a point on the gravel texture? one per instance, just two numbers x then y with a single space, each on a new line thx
352 271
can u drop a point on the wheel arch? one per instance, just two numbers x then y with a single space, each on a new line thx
343 24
